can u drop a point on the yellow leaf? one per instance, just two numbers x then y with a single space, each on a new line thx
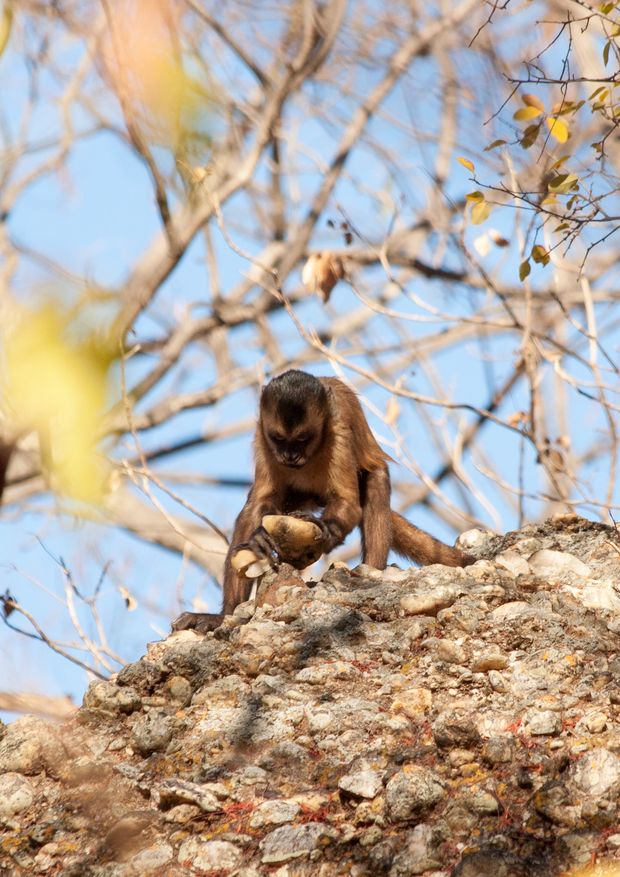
524 269
59 389
558 129
526 114
540 255
466 163
532 101
5 24
474 196
563 183
480 212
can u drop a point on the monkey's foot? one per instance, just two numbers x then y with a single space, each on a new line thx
201 622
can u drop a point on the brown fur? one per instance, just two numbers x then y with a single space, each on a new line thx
344 471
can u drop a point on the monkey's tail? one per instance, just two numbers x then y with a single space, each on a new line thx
418 545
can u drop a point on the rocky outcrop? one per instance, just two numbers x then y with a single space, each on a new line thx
435 721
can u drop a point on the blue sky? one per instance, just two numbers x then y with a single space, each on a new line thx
96 218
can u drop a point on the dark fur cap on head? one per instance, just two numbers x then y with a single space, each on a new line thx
291 395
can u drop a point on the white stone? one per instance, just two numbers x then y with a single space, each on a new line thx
16 794
209 855
547 563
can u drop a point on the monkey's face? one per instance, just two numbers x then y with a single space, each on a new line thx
293 448
293 413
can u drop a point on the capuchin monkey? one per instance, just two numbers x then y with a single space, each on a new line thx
314 450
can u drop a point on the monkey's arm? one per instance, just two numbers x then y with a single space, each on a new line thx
376 517
248 532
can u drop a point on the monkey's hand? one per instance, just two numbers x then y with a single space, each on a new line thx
261 544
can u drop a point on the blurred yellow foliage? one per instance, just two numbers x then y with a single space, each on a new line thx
144 61
600 869
58 387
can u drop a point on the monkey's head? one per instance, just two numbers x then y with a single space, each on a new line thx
293 412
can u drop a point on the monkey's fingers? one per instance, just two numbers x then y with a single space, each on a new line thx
263 545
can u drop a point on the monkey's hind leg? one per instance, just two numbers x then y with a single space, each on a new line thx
201 622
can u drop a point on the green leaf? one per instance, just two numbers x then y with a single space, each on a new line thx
606 52
480 211
524 269
562 226
526 114
466 163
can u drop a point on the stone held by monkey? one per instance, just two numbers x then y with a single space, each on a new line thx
314 449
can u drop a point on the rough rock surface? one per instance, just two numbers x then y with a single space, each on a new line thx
436 721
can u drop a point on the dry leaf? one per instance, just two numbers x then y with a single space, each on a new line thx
322 272
392 411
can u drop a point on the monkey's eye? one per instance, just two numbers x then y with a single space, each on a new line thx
304 438
277 437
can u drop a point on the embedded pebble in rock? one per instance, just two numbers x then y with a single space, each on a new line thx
554 802
474 540
172 792
546 564
510 611
497 682
179 689
491 863
30 745
152 858
513 562
418 853
597 773
288 843
361 784
451 731
446 650
275 812
429 603
498 750
483 803
595 723
16 794
322 673
209 855
318 721
413 702
152 732
412 792
489 661
108 697
542 723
